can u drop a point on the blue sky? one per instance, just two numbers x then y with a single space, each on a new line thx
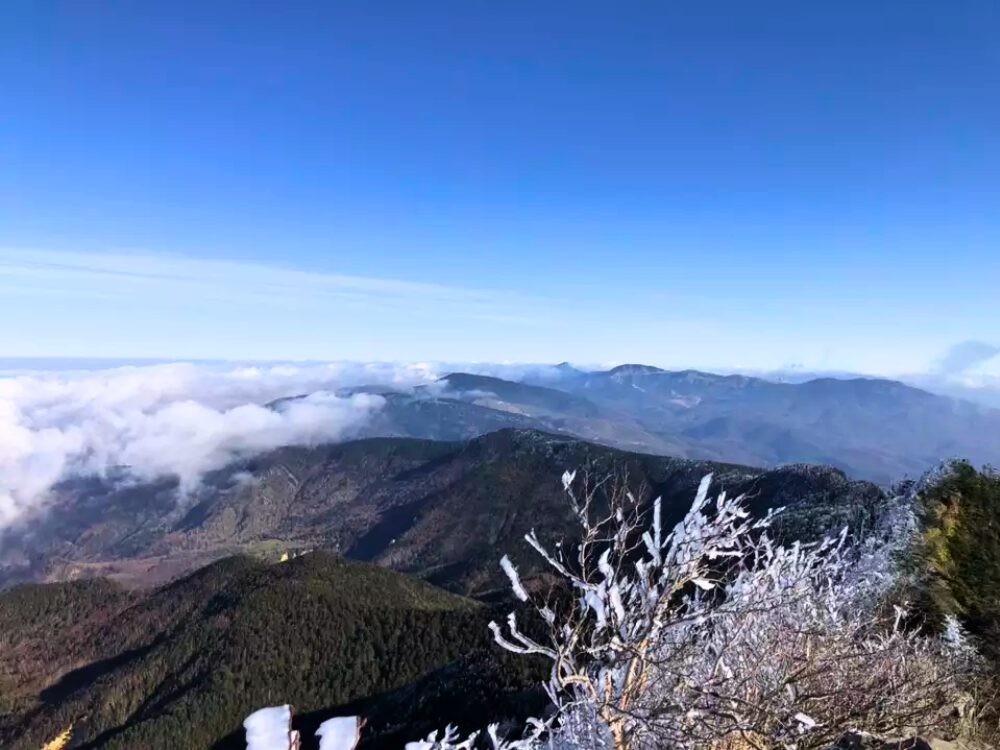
723 184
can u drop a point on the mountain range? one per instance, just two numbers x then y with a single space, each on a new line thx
874 429
358 498
358 576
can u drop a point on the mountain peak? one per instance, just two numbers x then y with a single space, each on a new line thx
635 369
565 368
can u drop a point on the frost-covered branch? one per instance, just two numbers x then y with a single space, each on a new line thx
712 631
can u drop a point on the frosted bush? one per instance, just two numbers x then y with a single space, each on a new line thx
712 633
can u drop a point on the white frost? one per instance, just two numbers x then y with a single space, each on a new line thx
268 728
515 579
340 733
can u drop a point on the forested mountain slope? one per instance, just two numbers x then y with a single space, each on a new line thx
181 666
442 510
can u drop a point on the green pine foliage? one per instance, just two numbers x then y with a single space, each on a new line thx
182 667
958 552
40 628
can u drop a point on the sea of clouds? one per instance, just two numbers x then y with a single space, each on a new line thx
181 419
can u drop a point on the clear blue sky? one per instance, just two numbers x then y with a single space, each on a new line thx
683 183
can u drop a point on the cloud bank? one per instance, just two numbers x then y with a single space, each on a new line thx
966 356
968 370
177 420
182 420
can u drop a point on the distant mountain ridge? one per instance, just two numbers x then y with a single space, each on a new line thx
876 429
871 429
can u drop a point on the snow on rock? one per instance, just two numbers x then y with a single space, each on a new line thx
339 733
269 728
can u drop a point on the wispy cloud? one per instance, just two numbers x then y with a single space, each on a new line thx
125 274
160 306
155 305
965 356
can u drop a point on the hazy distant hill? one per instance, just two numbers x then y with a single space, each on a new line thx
880 430
873 429
466 406
446 511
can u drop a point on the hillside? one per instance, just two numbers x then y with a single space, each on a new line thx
182 665
462 406
446 511
46 631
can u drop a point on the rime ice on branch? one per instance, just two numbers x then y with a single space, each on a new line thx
712 632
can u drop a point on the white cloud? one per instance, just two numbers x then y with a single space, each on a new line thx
117 275
969 370
178 419
182 419
968 356
163 306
